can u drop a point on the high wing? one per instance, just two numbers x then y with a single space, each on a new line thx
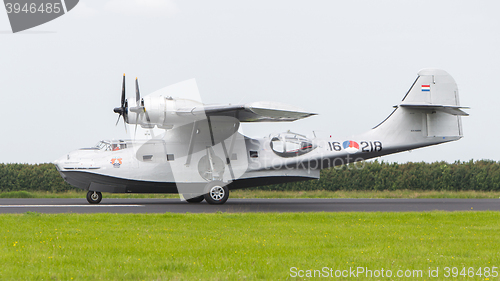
250 112
180 104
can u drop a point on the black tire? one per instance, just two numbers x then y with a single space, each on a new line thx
197 199
94 197
217 193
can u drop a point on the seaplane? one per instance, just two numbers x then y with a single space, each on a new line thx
196 150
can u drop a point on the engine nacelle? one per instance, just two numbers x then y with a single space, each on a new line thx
164 112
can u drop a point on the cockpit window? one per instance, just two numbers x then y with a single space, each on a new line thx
111 145
290 144
103 145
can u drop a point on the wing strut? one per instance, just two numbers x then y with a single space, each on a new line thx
228 162
191 143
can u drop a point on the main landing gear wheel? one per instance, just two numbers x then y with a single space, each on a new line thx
94 197
217 193
197 199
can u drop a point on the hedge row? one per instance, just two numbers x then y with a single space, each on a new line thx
481 175
40 177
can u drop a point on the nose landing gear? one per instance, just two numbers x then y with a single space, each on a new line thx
94 197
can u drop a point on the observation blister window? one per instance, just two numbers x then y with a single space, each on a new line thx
291 144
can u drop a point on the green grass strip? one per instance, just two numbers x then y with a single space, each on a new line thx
17 194
235 246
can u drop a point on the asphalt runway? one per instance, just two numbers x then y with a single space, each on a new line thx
54 206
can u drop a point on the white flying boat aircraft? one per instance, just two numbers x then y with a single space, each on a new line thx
195 149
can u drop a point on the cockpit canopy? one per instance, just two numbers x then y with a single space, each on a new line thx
114 145
291 144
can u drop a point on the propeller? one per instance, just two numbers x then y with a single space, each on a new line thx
122 110
139 108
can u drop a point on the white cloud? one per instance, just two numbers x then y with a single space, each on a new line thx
149 7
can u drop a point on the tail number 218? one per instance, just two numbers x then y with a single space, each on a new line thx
368 146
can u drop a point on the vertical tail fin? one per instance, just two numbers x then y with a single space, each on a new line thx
430 113
433 86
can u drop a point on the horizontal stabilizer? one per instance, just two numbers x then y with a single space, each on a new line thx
450 109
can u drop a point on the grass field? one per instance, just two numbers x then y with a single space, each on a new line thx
245 193
227 246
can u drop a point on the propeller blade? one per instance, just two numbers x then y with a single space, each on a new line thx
137 94
125 113
147 116
122 110
123 91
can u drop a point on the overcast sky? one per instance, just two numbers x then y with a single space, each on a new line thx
349 61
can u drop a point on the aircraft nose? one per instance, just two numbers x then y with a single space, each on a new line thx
57 163
60 162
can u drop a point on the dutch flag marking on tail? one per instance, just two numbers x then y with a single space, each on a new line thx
426 88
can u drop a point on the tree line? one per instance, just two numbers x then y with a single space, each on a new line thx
482 175
38 177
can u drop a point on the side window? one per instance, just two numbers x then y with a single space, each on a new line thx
254 154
